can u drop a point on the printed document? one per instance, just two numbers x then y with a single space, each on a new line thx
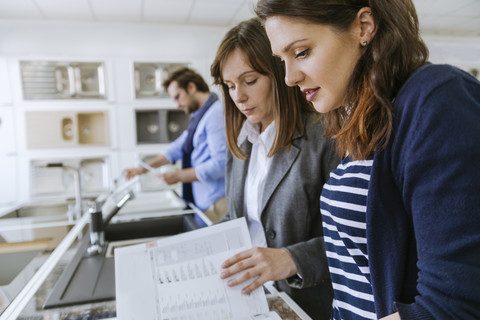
179 277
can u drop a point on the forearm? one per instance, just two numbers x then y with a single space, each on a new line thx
158 161
187 175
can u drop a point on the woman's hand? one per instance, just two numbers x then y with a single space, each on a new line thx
264 264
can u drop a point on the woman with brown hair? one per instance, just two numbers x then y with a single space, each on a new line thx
277 164
401 213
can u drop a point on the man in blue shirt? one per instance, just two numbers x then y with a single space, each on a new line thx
202 147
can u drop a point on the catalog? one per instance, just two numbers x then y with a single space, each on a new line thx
179 277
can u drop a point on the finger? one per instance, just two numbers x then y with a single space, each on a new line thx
242 265
248 274
254 285
236 258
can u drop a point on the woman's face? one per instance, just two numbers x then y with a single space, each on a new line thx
250 91
317 59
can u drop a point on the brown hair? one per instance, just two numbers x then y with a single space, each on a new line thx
183 77
250 37
364 125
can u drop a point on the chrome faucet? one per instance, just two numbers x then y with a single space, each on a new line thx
98 224
78 209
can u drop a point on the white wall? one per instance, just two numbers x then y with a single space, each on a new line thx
461 52
114 40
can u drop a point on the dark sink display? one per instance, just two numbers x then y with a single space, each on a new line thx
92 278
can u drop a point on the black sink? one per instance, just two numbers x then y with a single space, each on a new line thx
89 279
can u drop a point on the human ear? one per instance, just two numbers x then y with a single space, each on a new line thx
191 87
367 26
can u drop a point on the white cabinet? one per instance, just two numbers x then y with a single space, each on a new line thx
5 88
93 117
8 174
7 131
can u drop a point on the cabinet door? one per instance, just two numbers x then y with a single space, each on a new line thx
5 89
7 136
8 182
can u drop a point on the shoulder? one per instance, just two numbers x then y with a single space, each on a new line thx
218 105
437 89
314 123
216 109
432 77
314 126
214 115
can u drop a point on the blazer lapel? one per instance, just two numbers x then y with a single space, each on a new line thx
281 163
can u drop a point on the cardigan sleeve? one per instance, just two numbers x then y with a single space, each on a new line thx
436 167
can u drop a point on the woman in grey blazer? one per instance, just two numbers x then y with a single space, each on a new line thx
278 159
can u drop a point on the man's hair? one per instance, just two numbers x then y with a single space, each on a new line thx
183 77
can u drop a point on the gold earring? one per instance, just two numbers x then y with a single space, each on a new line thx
364 43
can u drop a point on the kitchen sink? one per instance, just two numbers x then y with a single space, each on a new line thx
17 261
89 279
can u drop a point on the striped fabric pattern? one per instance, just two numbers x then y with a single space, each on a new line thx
343 207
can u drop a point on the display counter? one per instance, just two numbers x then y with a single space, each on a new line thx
40 276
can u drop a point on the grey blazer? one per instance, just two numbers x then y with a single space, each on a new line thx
290 211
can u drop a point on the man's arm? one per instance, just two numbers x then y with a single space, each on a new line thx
184 175
158 161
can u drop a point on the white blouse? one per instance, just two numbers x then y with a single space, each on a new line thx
256 176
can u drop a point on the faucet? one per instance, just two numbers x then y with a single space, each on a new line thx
78 210
98 224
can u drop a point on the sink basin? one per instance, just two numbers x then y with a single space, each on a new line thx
16 263
19 262
92 278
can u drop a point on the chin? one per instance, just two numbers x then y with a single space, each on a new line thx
323 107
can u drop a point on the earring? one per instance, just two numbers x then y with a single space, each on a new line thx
364 43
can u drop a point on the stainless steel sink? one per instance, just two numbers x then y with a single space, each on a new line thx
92 278
15 262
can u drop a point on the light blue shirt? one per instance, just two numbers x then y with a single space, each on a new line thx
208 156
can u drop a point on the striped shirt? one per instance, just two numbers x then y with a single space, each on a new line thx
343 207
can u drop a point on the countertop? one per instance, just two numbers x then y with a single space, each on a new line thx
33 308
102 310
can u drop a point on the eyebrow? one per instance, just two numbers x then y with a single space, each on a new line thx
241 75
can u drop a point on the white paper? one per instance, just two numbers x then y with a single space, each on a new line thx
179 277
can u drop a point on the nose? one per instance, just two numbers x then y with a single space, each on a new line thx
292 75
238 95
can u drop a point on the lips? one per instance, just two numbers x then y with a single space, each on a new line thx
247 111
311 93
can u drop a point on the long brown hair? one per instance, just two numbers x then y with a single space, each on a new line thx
250 37
364 125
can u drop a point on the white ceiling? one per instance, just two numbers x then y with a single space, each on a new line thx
442 17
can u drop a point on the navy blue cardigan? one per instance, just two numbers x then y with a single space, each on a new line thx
423 216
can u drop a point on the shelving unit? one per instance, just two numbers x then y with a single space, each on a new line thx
66 114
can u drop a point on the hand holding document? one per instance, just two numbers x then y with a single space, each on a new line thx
179 277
